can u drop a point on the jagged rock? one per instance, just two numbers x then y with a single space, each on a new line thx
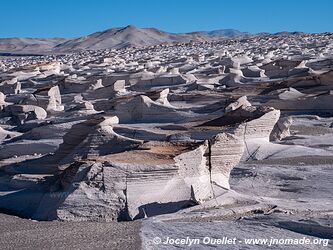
281 129
163 97
258 123
2 66
233 78
73 85
174 71
55 66
240 102
283 68
50 99
225 152
202 87
85 107
96 85
119 86
235 62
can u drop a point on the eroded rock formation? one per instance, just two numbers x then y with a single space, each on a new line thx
131 133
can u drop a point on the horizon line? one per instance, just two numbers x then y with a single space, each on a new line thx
187 32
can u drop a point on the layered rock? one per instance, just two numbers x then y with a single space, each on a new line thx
153 179
161 81
106 91
249 122
92 138
143 109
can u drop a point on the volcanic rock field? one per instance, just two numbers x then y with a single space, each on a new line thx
227 136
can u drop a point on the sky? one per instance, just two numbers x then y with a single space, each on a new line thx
73 18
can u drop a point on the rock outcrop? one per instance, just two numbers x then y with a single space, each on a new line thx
281 129
143 109
22 113
153 178
49 99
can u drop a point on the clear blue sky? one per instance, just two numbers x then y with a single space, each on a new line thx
72 18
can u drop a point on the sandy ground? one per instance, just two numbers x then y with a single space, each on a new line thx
258 227
17 233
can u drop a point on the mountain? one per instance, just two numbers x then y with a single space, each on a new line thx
227 33
129 36
29 45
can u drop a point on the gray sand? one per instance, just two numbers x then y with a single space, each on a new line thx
17 233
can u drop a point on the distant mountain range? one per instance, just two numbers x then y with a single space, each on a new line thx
129 36
228 33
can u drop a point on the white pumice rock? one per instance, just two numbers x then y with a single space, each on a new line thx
50 99
281 129
3 103
199 129
241 102
123 188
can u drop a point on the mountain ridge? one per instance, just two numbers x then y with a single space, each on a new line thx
113 38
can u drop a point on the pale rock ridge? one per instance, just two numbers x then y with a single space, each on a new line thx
161 81
225 153
248 122
240 102
163 97
92 138
142 109
290 94
261 127
103 89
